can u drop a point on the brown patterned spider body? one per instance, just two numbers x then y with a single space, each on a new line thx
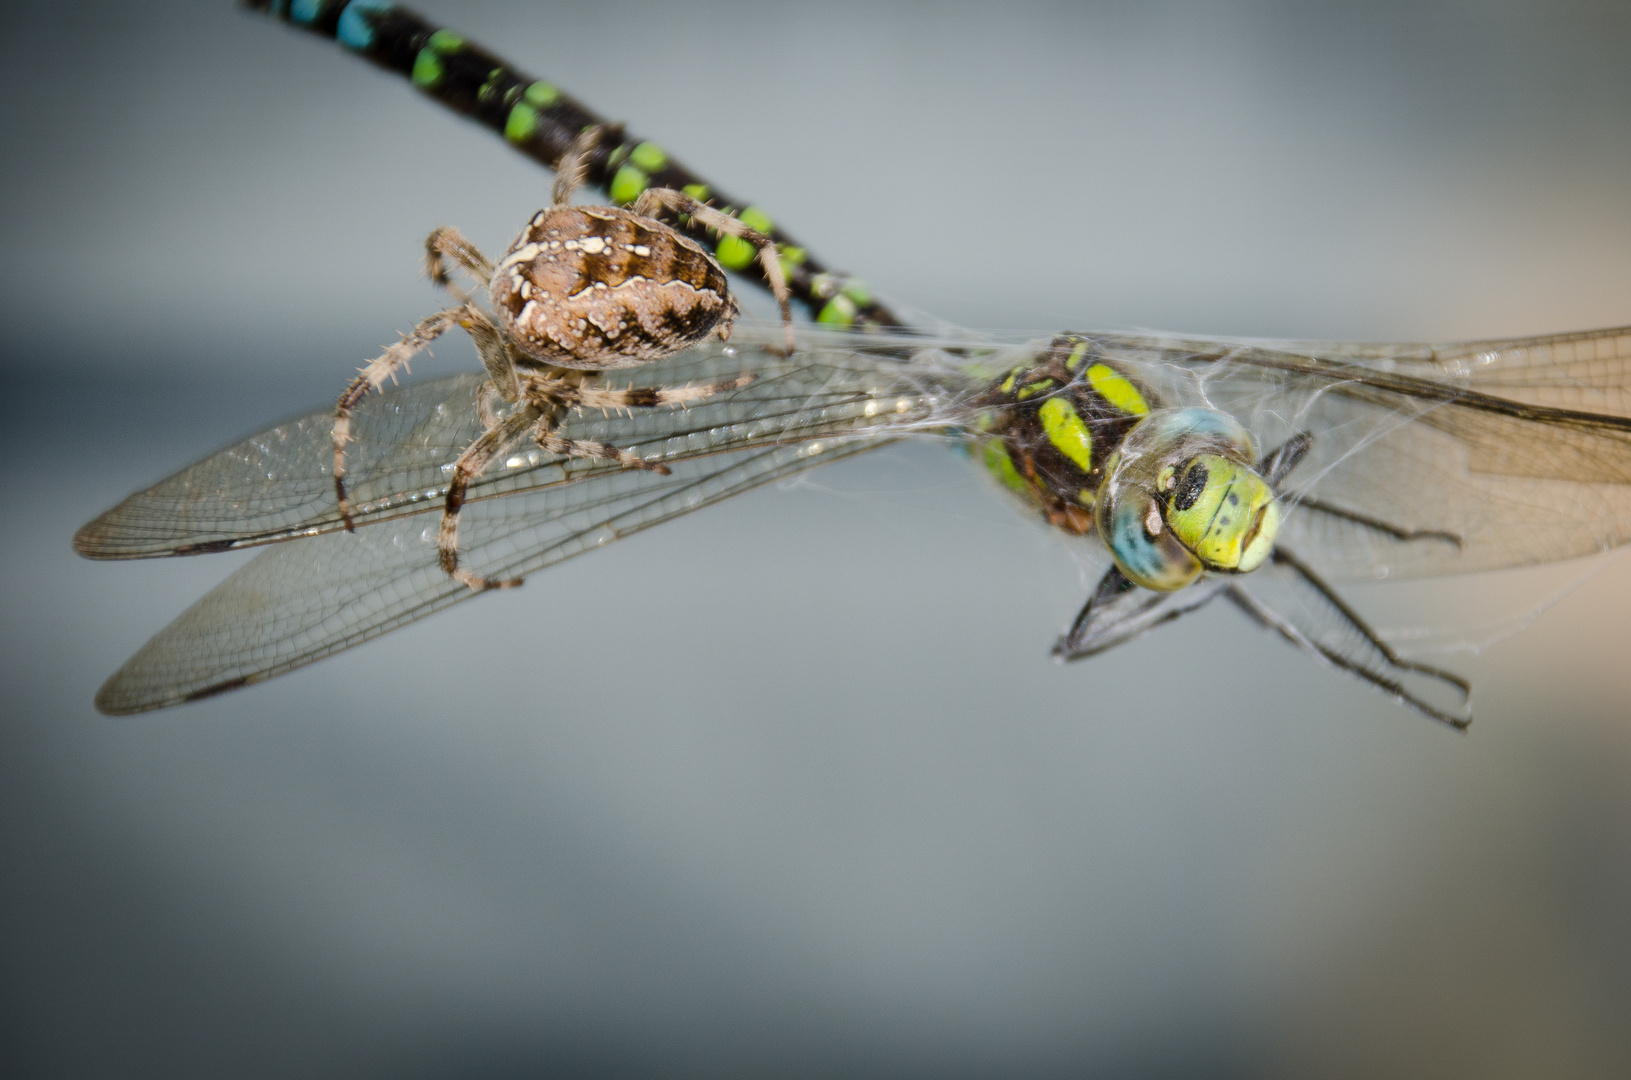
598 288
583 289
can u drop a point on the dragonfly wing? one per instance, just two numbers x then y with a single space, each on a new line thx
299 602
1431 460
279 484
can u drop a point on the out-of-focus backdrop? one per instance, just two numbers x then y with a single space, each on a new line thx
791 787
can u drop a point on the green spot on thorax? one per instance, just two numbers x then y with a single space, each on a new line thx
1077 355
1067 432
1114 387
1000 465
1033 389
699 192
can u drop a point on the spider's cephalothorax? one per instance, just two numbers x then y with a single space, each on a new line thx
600 287
581 290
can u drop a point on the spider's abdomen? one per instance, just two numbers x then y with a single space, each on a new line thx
599 287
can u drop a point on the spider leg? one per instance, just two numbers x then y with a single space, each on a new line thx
573 167
489 343
548 398
470 465
447 245
641 397
654 199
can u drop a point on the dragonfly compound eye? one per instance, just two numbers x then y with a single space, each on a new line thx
1223 512
1181 497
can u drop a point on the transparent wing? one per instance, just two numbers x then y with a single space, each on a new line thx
1429 459
296 603
279 484
1424 460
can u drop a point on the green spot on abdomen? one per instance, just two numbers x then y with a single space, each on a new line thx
445 42
790 257
521 124
627 184
839 311
1113 387
1000 465
649 156
427 69
734 253
1033 389
1067 432
541 95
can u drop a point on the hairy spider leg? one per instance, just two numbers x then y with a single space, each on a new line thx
573 168
545 399
489 343
446 245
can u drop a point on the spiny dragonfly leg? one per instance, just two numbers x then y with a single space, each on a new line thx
1278 463
1398 532
1111 586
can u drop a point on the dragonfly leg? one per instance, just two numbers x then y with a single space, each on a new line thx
1403 533
448 245
470 465
654 199
1392 666
489 343
1278 463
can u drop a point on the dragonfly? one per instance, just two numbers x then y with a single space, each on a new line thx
1317 463
1362 461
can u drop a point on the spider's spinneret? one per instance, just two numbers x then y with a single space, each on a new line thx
600 287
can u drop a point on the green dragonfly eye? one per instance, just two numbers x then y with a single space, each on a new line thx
1223 512
1182 497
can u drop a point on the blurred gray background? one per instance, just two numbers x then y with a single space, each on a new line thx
840 814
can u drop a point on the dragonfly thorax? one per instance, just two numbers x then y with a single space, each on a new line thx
600 287
1173 493
1053 426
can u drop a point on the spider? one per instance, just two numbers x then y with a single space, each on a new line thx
583 289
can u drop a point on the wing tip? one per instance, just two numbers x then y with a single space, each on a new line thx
123 695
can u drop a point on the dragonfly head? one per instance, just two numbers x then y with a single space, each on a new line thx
1182 497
